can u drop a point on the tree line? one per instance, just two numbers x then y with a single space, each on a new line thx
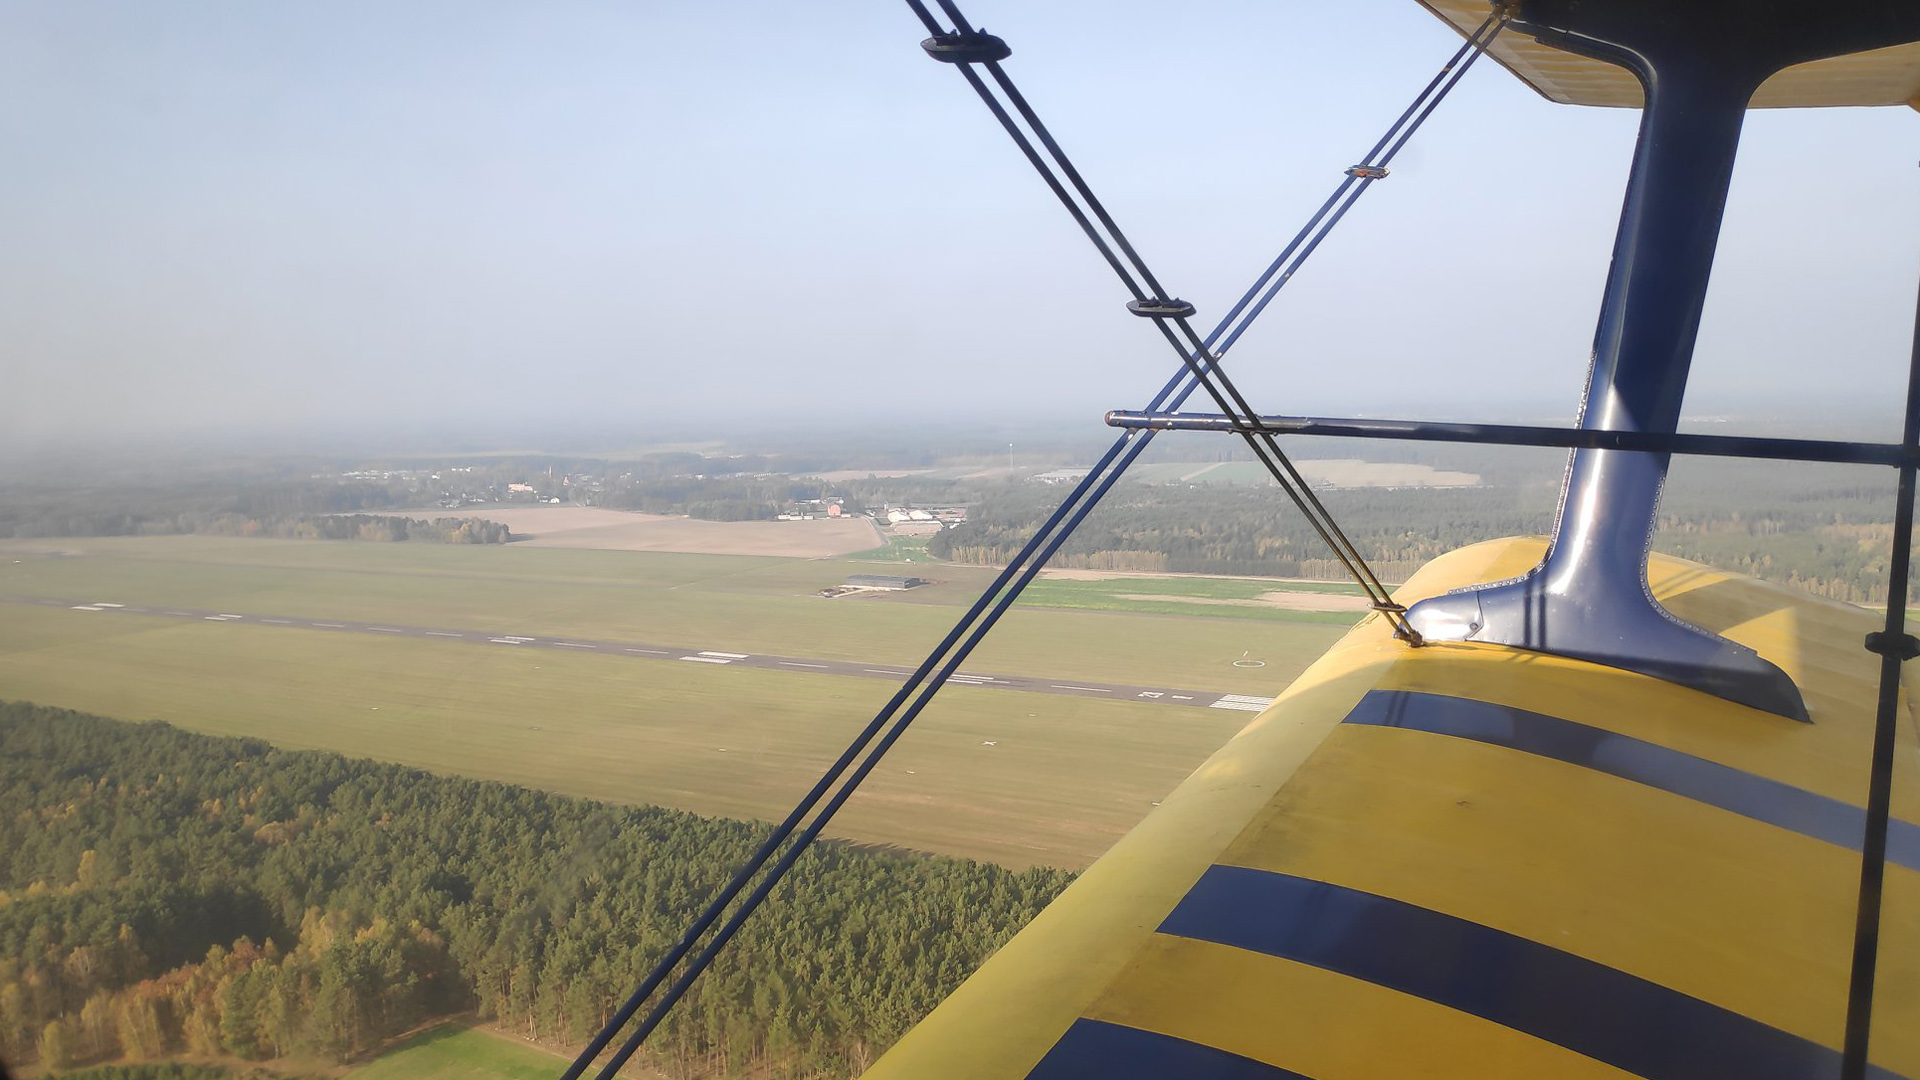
1810 527
1244 530
184 506
164 894
374 527
174 1070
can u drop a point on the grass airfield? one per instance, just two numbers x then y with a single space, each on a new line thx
1062 778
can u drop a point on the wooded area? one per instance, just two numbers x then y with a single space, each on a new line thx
168 893
1817 528
375 527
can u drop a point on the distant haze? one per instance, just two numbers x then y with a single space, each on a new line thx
231 217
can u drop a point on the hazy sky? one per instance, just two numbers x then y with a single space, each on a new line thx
236 215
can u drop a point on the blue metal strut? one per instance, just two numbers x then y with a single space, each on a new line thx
1699 63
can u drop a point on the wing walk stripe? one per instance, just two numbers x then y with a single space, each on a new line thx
1095 1048
1589 1008
1757 797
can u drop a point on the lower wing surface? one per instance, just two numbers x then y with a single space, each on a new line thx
1472 861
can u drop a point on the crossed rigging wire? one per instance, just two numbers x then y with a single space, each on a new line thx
1200 358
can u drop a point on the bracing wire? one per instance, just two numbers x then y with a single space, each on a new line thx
1895 646
986 611
1226 395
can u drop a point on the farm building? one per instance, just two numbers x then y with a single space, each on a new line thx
881 581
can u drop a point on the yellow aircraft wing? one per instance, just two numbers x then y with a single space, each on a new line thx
1886 76
1474 861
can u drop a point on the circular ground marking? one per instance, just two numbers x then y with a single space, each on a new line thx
1249 663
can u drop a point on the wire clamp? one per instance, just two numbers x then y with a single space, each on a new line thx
971 47
1906 646
1175 308
1368 172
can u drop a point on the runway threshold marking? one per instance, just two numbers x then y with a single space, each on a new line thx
1242 702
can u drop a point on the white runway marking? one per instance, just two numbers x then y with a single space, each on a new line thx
1237 702
1242 702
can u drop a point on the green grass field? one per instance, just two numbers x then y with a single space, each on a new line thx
900 549
452 1052
1065 777
1124 594
731 603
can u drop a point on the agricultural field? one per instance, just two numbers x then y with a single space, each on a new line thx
1017 778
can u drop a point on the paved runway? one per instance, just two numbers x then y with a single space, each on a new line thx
1152 695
